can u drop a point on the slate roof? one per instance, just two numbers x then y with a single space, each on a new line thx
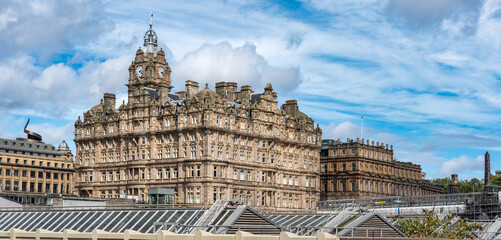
29 148
371 225
141 220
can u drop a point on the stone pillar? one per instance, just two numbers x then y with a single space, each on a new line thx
487 177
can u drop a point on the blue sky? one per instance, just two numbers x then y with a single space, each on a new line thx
426 75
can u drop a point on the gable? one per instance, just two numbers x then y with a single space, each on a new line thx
246 219
371 225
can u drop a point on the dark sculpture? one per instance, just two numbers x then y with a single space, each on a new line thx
32 136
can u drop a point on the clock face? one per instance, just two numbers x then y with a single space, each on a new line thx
139 71
161 72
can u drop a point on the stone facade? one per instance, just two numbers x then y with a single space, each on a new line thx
33 167
358 169
206 145
431 188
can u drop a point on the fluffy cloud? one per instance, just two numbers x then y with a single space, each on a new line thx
25 86
341 131
221 62
462 164
52 91
55 134
49 26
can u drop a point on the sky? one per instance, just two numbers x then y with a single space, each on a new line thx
425 75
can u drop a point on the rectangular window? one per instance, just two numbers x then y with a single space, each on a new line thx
198 195
159 173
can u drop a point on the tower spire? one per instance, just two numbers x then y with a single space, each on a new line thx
151 19
150 39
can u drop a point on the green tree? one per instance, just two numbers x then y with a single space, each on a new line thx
465 186
431 226
495 180
443 181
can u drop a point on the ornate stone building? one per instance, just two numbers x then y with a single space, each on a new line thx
206 145
358 169
29 166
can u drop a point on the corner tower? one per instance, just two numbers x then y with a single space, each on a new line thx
149 68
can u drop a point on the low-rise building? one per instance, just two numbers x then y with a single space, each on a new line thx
362 169
29 166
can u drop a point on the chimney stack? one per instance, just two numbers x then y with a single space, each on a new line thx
109 102
454 178
454 186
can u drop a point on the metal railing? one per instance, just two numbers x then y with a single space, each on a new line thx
407 201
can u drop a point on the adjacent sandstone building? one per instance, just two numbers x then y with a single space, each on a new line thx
203 144
358 169
29 166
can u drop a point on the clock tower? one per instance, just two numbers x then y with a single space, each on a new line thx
149 68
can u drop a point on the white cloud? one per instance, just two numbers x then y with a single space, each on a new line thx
55 135
341 131
221 62
49 26
461 164
6 17
54 90
96 78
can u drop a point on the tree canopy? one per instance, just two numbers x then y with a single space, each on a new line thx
432 226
